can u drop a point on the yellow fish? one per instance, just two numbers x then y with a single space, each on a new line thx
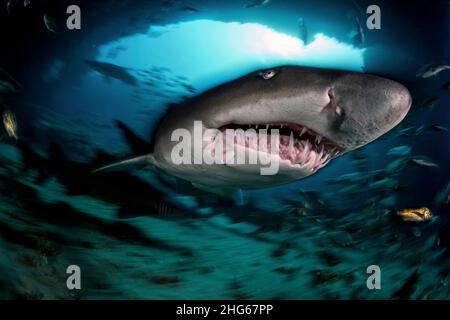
416 215
10 124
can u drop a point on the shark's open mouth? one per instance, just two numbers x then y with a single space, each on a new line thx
298 144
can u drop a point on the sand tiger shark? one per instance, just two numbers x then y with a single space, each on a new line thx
327 113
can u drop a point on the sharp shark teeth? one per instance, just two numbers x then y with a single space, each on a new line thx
318 139
310 162
298 144
306 150
321 153
291 139
304 157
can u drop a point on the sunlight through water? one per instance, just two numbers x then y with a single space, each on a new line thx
212 52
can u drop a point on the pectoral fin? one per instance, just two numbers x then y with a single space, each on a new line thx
136 163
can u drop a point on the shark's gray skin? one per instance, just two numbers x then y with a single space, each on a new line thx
329 112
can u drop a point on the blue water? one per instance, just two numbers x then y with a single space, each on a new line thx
309 239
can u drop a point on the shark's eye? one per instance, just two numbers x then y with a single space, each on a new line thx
268 74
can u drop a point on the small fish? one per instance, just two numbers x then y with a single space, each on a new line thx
26 3
387 202
10 124
167 4
415 215
438 127
400 187
348 178
399 151
428 103
424 162
189 87
50 23
257 3
351 189
408 288
303 31
431 70
416 232
155 32
8 84
443 196
446 86
395 165
386 183
189 9
9 6
324 277
329 258
109 70
409 130
357 35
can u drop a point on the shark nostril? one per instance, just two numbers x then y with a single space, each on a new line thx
331 95
332 104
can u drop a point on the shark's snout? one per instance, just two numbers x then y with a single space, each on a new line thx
370 107
394 101
401 102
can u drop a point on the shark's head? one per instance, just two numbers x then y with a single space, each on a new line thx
327 112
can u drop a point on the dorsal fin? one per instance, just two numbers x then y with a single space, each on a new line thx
136 144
